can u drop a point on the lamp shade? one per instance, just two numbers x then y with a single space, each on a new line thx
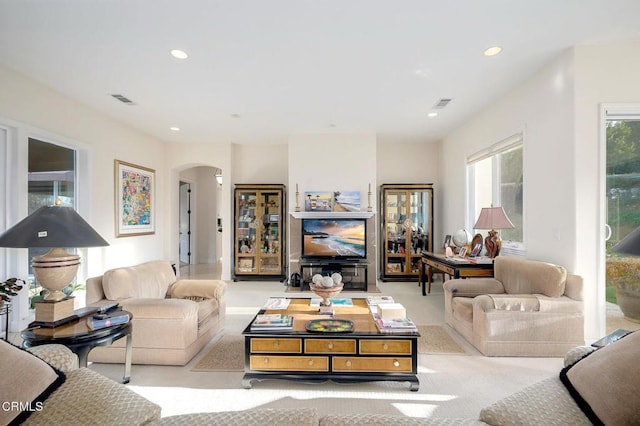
629 244
493 218
52 226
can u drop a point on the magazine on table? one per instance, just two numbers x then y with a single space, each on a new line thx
376 300
336 302
277 303
395 324
272 322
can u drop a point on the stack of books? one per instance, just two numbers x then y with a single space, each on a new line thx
395 325
98 321
376 300
272 322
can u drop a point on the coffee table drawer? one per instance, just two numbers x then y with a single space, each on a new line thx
371 364
269 345
386 346
288 363
323 346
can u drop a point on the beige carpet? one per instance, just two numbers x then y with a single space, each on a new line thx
228 353
434 339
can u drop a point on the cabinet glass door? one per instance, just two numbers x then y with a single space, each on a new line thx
406 228
396 241
246 232
269 232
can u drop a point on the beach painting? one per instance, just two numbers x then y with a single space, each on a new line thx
346 201
318 201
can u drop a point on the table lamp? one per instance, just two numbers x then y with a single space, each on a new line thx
493 218
53 227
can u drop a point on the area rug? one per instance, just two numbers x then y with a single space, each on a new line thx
227 354
434 339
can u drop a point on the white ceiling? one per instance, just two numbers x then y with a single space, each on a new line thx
297 66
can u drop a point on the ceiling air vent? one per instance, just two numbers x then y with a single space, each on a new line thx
123 99
442 103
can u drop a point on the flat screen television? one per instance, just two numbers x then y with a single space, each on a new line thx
334 238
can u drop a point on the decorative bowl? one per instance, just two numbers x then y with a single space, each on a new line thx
324 292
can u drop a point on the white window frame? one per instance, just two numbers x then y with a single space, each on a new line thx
515 248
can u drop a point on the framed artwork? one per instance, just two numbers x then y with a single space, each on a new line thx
318 201
346 201
447 241
135 199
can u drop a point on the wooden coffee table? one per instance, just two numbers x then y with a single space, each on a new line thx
78 337
362 355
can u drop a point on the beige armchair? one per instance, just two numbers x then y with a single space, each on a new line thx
172 318
529 308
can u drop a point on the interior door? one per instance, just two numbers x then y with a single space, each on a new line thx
185 223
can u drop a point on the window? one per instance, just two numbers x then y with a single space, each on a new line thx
51 176
495 178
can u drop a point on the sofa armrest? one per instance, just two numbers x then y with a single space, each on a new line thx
577 354
57 356
198 289
473 287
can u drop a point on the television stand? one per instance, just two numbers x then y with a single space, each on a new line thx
354 272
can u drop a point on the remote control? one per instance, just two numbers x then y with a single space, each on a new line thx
109 307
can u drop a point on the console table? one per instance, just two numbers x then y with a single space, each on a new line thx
453 266
354 274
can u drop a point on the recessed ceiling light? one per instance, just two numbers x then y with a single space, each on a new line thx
235 115
492 51
174 128
179 54
432 114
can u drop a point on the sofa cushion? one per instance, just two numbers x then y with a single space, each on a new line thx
606 382
147 280
392 420
90 398
256 417
26 382
509 302
463 308
521 276
544 403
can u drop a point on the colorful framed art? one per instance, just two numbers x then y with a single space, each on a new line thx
135 199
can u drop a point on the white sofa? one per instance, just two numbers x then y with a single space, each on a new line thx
529 308
172 318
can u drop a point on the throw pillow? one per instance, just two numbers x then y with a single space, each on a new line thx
606 382
26 382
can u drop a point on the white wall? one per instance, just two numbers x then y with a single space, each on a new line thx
558 110
33 110
604 74
332 162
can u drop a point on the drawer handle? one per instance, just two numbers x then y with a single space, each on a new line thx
310 362
348 363
385 346
396 363
266 361
276 344
330 345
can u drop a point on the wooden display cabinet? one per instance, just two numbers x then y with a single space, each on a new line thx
406 229
259 221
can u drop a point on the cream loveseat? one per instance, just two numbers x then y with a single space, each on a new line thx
529 308
172 319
